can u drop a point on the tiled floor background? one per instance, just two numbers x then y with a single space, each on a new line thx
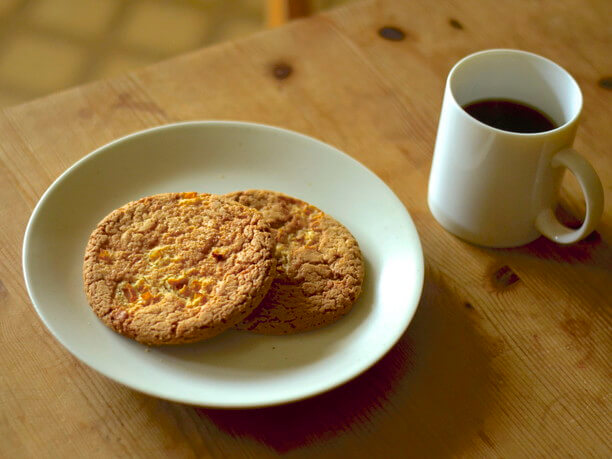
48 45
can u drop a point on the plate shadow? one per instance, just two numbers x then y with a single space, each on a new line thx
432 390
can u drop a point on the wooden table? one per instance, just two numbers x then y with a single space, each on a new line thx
508 354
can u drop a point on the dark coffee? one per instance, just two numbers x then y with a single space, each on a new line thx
510 116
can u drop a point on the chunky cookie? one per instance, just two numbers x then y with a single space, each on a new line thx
319 268
178 267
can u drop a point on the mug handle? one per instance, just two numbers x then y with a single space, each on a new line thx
549 225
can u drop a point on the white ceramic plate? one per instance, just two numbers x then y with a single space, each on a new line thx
235 369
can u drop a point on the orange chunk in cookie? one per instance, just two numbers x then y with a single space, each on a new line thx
196 284
130 293
191 198
185 291
140 285
197 300
205 284
194 291
139 293
146 298
220 253
302 236
309 237
104 254
178 282
156 253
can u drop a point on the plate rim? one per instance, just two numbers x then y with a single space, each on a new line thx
418 263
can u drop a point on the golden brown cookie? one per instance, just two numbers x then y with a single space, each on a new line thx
178 267
319 268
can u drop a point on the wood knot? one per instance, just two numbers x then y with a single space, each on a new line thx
281 71
468 305
606 82
391 33
504 277
455 24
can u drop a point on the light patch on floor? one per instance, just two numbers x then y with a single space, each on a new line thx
49 45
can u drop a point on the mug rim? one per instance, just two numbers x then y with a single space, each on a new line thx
469 57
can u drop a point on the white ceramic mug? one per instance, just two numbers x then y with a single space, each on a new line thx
498 188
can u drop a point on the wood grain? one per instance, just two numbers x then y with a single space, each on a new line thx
508 355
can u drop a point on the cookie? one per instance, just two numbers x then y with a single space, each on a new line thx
178 267
319 268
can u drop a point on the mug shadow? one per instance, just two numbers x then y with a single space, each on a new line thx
592 251
431 390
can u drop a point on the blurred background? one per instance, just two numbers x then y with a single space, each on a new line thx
49 45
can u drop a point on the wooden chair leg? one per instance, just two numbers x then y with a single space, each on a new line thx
279 12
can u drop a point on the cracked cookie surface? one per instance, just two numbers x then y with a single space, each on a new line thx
319 269
178 267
